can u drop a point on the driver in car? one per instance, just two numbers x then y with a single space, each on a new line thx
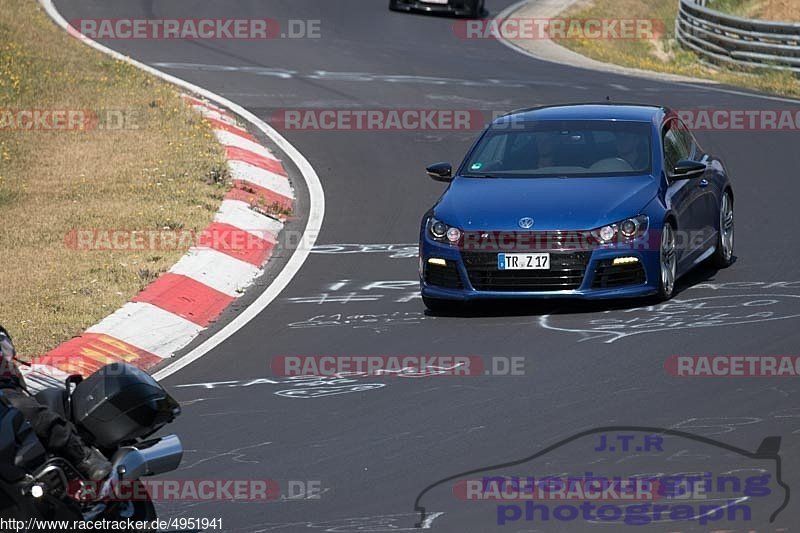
631 149
546 148
56 434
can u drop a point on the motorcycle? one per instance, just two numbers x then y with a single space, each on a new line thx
116 409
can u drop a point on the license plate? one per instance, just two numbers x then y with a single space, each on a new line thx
523 261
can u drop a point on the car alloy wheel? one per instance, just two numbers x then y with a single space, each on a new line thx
726 227
668 261
723 255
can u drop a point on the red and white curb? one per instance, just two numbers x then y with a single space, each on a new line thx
170 312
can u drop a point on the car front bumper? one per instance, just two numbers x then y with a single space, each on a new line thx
460 281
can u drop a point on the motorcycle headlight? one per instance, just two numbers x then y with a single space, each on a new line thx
623 231
440 231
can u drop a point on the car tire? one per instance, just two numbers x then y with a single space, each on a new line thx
439 306
477 10
723 255
667 263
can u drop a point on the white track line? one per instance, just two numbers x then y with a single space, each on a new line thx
316 198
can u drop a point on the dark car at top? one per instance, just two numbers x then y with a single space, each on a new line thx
576 201
465 8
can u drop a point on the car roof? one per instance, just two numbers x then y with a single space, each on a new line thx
589 111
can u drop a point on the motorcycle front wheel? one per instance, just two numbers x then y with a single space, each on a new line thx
137 511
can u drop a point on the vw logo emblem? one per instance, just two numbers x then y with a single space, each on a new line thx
526 223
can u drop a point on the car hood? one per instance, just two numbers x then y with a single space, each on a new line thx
553 203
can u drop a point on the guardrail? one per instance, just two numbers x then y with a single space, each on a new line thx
727 39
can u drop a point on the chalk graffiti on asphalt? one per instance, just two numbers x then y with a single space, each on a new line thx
377 321
709 311
362 292
396 251
300 386
361 524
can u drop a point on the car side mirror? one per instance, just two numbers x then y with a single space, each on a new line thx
440 171
688 169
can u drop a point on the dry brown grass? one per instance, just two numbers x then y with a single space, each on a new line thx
166 172
664 55
780 10
788 10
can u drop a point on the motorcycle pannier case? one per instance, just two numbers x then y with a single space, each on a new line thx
120 403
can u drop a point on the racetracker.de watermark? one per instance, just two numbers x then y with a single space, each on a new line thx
197 28
405 366
586 240
69 120
381 119
195 490
733 366
125 240
555 488
514 28
745 120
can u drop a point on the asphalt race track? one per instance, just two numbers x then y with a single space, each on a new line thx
379 441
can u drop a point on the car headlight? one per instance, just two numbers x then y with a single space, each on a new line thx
623 231
453 235
440 231
607 233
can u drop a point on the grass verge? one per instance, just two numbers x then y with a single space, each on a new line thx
145 161
664 54
779 10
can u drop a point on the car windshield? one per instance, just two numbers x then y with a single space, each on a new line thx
562 148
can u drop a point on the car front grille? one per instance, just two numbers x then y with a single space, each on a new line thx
443 276
566 272
607 275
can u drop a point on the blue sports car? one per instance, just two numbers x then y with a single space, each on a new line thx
576 201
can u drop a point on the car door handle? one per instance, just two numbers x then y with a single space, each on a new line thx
704 182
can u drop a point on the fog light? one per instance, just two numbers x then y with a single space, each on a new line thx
437 261
625 260
37 490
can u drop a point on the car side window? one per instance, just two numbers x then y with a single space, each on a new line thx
675 147
687 139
